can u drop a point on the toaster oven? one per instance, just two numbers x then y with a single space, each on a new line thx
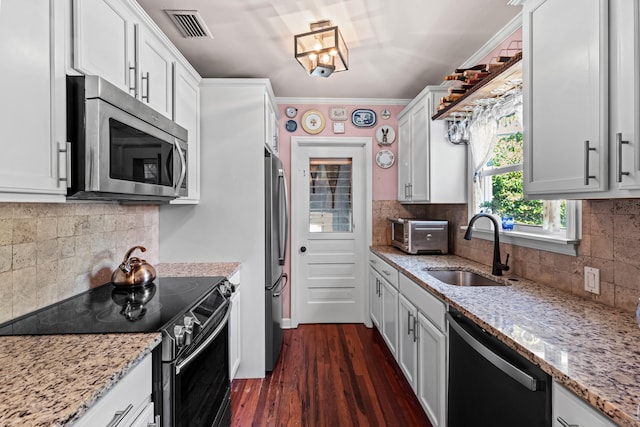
418 236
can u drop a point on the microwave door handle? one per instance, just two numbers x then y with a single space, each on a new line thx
183 168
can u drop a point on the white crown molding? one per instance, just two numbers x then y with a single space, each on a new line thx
342 101
494 41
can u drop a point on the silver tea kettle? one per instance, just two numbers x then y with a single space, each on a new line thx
133 271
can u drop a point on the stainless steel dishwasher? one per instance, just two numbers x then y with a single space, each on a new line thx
490 384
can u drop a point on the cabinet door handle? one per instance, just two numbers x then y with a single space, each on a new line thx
415 329
133 81
146 79
155 423
119 416
587 151
619 143
64 163
386 272
410 190
409 328
563 423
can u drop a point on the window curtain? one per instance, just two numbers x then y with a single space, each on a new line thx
483 132
482 140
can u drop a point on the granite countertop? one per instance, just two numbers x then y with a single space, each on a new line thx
590 348
182 269
53 380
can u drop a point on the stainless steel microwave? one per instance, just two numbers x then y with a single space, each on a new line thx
119 148
416 236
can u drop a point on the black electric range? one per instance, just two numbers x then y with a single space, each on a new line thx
159 306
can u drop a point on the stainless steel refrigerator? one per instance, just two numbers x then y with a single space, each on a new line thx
277 225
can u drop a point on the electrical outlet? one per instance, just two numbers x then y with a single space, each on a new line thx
592 280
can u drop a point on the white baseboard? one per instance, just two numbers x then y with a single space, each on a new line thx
286 323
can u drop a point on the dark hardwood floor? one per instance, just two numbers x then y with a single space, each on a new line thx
329 375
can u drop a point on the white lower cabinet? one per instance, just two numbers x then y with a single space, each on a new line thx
408 341
570 411
383 282
375 307
235 350
390 316
432 356
423 347
128 403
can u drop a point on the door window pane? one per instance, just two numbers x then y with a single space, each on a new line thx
330 184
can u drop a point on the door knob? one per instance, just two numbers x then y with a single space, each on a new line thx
303 249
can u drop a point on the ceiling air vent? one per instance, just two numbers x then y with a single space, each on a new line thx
190 23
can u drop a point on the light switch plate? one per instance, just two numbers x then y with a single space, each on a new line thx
592 280
338 127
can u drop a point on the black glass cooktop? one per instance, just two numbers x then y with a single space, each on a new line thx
111 309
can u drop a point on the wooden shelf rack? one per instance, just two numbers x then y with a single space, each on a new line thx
497 80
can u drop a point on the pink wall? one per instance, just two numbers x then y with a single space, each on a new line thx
385 181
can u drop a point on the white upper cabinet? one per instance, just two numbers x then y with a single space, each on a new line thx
187 114
624 125
581 130
155 72
271 130
104 41
566 102
32 111
114 41
430 168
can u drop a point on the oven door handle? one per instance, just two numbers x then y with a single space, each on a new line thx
206 343
520 376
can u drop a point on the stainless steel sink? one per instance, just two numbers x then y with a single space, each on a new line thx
462 278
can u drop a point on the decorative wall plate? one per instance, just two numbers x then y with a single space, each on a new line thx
385 159
385 135
385 114
291 112
291 125
363 118
312 122
338 114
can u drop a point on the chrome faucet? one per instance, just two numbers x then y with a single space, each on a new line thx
497 265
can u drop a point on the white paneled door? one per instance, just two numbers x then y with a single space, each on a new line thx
329 239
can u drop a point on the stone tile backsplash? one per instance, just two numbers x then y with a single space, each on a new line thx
610 242
49 252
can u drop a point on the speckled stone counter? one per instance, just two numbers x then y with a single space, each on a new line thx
183 269
53 380
592 349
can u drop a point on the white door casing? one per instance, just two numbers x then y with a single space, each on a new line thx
329 279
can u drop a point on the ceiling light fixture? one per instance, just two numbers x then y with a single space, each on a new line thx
322 51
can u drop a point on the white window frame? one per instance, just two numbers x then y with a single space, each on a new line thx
565 241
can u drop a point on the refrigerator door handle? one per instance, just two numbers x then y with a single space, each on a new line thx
276 294
283 232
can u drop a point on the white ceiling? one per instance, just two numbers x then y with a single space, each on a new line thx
395 47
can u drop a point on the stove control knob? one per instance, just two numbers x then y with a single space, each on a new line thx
188 322
192 324
178 331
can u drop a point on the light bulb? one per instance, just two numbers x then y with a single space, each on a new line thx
325 58
313 56
333 52
317 46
